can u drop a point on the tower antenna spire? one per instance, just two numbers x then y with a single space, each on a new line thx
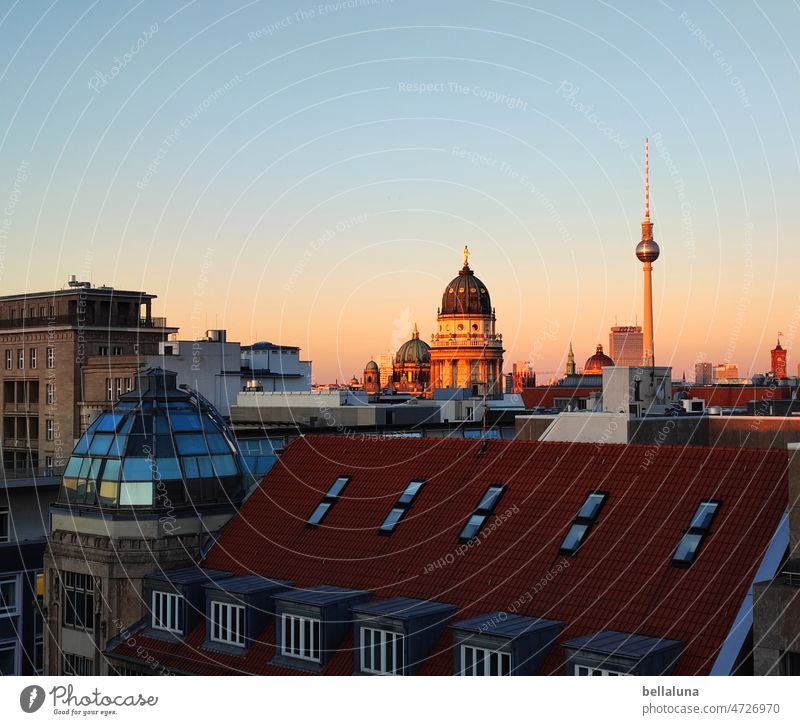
647 226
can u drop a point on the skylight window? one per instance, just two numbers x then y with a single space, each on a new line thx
587 516
692 539
331 497
403 505
485 507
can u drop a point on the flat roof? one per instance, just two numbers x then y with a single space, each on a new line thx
623 644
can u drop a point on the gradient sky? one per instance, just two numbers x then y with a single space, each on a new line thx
271 168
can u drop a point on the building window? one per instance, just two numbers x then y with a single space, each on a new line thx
227 623
33 358
42 311
331 497
76 665
693 537
583 671
9 606
50 393
102 350
300 637
20 358
120 386
77 600
585 519
485 507
478 661
51 357
168 612
52 311
5 525
116 350
381 652
49 429
9 359
401 507
109 389
48 463
8 658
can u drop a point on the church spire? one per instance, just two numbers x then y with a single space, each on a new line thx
570 361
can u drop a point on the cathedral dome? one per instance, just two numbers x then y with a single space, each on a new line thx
414 350
596 363
466 295
371 366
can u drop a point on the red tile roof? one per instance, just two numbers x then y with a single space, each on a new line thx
621 579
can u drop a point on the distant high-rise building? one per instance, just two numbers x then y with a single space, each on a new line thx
703 373
626 345
523 376
778 355
386 367
726 371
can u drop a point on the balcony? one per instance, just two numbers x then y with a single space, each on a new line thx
82 320
791 574
21 407
16 474
21 443
487 341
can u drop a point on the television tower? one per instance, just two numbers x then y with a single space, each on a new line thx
647 252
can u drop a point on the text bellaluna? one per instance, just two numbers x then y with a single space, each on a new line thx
661 691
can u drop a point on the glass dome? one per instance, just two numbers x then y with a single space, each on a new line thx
159 448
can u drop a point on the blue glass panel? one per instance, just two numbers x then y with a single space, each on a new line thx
472 527
190 468
168 469
82 446
136 494
189 444
126 426
183 422
687 548
204 468
411 491
111 471
109 422
319 513
100 444
217 444
338 486
85 463
490 498
703 516
94 469
224 465
392 520
73 467
137 469
209 425
591 507
161 425
574 538
118 446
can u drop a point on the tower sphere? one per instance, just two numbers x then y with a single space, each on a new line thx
647 250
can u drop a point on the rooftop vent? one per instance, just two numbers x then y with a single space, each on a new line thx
73 281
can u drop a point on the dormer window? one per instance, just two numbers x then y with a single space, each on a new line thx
381 652
699 528
479 661
167 611
301 637
227 623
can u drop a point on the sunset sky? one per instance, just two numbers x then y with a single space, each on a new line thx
309 174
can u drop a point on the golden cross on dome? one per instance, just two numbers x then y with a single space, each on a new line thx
466 256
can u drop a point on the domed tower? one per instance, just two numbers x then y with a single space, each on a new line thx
466 351
598 361
372 377
411 370
147 487
647 252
